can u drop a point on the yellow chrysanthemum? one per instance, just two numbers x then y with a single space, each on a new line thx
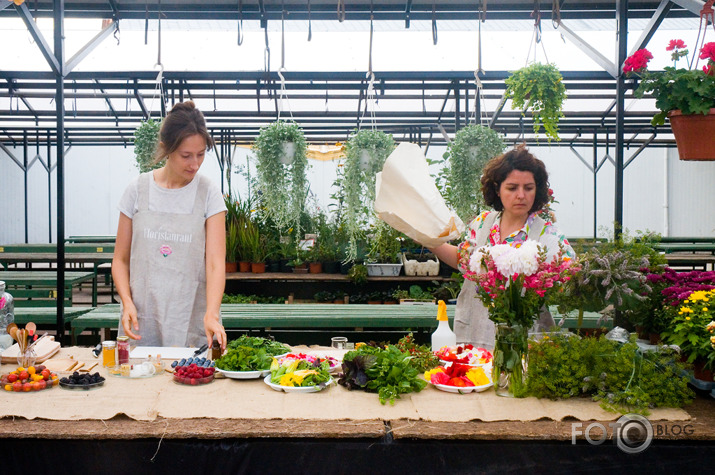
428 374
477 376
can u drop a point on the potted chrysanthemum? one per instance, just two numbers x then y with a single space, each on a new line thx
685 96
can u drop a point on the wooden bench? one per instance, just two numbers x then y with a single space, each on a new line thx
355 317
35 295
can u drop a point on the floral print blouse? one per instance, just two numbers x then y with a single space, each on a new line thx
549 237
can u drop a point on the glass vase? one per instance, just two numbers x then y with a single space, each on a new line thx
26 358
509 364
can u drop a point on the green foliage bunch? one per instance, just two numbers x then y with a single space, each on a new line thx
692 328
359 181
473 146
539 88
283 187
619 375
385 244
146 139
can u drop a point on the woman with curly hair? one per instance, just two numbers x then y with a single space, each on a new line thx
516 186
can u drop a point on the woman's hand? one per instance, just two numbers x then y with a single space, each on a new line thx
214 329
130 321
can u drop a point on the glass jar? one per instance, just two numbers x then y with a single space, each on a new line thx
109 358
26 358
7 316
122 350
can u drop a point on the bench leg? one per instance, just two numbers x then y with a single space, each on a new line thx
106 334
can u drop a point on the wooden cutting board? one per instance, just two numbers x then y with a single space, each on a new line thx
44 350
69 364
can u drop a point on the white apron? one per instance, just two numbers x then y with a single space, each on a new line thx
167 272
471 317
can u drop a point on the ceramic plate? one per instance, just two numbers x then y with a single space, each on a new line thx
462 390
243 374
293 389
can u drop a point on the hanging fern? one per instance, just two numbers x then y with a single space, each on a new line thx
359 181
283 187
472 147
146 138
540 88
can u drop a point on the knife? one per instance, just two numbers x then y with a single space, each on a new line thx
201 349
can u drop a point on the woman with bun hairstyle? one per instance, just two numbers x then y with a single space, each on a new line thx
171 242
516 186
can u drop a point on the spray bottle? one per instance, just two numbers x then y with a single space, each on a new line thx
443 335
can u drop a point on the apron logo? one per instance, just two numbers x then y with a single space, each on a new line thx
165 250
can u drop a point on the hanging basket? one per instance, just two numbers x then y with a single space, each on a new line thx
694 135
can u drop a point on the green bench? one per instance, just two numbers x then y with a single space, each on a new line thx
269 317
35 295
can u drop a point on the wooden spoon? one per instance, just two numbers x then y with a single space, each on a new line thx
12 330
31 328
22 340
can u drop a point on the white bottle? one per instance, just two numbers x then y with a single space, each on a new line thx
443 335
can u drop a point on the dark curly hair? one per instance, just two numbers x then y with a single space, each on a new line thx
184 120
498 168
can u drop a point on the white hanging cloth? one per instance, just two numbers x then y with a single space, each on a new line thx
407 199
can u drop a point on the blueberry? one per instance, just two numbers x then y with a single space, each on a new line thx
213 363
190 360
174 363
182 362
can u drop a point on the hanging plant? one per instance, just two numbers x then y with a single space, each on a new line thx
472 147
146 138
281 172
539 88
365 152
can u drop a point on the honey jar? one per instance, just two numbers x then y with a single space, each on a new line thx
109 357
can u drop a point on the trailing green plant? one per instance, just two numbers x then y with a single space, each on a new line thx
619 375
448 290
473 146
539 88
283 187
146 138
366 152
358 274
324 296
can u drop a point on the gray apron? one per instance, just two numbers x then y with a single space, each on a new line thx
471 317
167 271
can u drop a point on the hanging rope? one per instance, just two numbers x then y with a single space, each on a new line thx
478 86
536 37
159 82
434 22
266 52
283 94
707 14
556 14
310 24
341 11
240 22
370 76
146 22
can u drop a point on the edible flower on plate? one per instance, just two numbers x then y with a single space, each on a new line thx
458 375
300 370
464 354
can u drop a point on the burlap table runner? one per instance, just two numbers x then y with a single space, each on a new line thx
148 399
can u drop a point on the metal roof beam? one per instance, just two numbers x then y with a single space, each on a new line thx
12 156
652 26
589 50
89 47
36 34
693 6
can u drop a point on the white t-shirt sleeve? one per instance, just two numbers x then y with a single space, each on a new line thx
128 203
214 201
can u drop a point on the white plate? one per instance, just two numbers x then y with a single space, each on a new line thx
462 390
243 374
476 365
294 389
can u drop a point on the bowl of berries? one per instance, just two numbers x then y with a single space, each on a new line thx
193 374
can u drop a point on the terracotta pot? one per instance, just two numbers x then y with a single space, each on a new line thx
315 267
699 372
244 266
231 267
374 302
694 135
258 267
642 333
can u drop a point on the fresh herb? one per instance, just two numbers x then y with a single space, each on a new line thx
392 375
422 357
272 347
244 358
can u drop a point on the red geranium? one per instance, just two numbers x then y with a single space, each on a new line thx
709 70
637 61
708 51
675 44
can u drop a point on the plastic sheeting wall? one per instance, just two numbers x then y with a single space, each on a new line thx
95 178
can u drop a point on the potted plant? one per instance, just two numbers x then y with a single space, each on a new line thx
685 96
539 88
384 254
299 265
324 296
231 247
415 296
420 263
358 274
374 298
314 258
473 146
250 240
283 186
693 330
339 297
366 152
146 138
